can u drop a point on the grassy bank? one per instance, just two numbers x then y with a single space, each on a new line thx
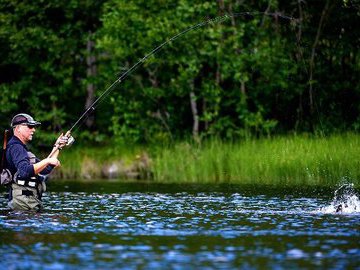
295 160
97 162
282 160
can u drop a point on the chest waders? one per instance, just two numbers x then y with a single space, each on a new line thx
25 194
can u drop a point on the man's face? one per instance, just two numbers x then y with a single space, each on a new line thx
25 132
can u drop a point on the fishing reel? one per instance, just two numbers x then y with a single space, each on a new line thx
65 140
70 141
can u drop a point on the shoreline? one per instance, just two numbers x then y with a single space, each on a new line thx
296 159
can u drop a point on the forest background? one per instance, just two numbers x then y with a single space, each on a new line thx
246 77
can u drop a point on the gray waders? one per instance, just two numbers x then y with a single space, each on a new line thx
25 194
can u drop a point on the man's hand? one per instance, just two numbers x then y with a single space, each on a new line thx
53 161
64 140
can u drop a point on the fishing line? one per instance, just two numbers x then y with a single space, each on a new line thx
216 20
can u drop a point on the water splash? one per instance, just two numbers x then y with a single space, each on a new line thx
345 200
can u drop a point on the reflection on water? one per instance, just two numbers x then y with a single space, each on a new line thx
122 227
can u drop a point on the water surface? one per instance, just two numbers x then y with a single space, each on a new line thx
148 226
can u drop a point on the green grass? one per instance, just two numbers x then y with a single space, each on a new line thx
80 162
282 160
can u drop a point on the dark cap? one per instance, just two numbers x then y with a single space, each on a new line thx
23 118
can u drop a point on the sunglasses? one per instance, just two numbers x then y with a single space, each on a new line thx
29 126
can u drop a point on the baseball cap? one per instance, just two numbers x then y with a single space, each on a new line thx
23 118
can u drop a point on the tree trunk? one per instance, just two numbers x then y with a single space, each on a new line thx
300 57
90 72
194 112
324 13
221 5
265 13
243 88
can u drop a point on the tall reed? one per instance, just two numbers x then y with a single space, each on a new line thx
281 160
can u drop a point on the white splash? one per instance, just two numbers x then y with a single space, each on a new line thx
345 201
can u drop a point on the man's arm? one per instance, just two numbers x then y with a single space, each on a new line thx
22 163
20 160
41 165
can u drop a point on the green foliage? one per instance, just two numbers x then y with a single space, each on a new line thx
211 61
42 59
247 75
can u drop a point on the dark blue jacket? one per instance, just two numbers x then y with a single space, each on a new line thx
18 160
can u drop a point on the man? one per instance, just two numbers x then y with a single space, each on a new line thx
28 172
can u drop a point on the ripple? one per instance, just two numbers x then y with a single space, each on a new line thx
178 230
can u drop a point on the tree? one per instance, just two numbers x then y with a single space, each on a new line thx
238 76
43 52
192 78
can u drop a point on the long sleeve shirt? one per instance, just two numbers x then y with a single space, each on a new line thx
18 160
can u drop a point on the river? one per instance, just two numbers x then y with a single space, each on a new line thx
112 225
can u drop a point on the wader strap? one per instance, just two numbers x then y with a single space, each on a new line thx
27 193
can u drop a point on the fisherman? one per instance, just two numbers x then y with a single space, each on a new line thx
28 172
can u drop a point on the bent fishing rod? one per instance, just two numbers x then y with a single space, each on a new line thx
126 74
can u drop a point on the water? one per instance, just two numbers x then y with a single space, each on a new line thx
148 226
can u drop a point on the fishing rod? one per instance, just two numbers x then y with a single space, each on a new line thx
126 74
